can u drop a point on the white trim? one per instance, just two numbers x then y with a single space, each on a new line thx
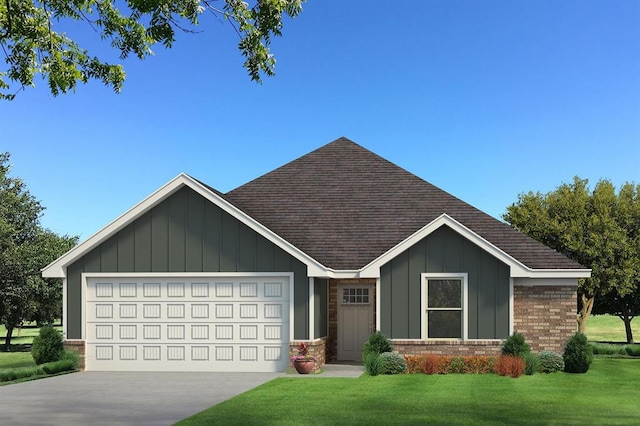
511 315
57 269
311 308
64 309
377 303
518 269
157 275
424 277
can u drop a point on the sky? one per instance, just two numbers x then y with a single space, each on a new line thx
485 99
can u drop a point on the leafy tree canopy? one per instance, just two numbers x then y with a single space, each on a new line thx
25 248
33 43
599 228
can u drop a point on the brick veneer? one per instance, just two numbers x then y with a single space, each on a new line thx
317 349
77 346
545 315
447 347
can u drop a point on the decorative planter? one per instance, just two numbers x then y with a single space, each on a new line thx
304 367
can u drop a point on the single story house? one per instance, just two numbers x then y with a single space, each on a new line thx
325 249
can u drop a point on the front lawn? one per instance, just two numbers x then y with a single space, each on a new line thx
607 394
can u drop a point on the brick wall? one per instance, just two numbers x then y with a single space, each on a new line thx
447 347
317 349
78 347
545 315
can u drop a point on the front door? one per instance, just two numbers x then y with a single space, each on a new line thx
355 320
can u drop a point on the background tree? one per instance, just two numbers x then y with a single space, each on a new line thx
33 40
599 229
25 248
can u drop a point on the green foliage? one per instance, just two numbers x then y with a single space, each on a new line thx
11 374
59 366
47 346
392 363
376 344
71 356
372 364
33 43
515 345
550 362
599 229
633 350
456 365
531 363
25 248
578 355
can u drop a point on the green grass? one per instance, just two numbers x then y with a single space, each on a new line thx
16 360
610 328
607 394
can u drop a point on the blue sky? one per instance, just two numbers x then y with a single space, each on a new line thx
485 99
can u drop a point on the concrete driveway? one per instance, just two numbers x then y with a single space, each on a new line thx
119 398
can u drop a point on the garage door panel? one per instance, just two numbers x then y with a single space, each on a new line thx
216 324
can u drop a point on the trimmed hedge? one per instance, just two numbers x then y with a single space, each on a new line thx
441 364
550 362
69 362
392 363
578 355
509 365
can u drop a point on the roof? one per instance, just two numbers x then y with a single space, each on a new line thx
345 206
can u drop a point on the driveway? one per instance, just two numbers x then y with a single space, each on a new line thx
119 398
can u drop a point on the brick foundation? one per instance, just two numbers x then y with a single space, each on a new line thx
77 346
545 315
447 347
317 349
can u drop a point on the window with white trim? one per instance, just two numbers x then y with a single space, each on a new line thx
355 296
444 306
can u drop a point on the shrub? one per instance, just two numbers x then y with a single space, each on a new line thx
578 355
47 345
456 364
414 364
392 363
376 344
509 365
430 364
632 350
607 349
73 356
550 362
515 345
372 364
59 366
478 364
531 363
11 374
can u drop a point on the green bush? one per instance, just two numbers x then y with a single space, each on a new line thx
632 350
392 363
578 355
550 362
531 363
456 365
11 374
607 349
376 344
47 345
59 366
515 345
372 364
72 356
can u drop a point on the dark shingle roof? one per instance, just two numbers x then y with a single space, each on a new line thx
345 206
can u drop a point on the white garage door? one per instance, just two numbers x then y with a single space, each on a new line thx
187 324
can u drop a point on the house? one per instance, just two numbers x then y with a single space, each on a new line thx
325 249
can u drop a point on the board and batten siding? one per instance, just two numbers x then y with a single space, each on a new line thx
444 250
320 309
187 233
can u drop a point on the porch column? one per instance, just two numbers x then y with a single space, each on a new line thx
311 308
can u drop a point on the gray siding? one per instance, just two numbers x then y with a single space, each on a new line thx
445 251
321 294
187 233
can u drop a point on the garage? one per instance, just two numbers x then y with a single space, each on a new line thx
187 322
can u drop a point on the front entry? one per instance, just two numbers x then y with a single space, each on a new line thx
355 320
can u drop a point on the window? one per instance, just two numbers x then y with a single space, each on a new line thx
355 296
444 306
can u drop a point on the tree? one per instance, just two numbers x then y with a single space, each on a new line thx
25 248
33 40
599 229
